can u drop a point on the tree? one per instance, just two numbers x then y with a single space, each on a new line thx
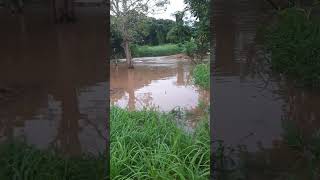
126 12
200 10
180 32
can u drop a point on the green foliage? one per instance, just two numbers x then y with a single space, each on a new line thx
153 51
200 9
294 43
116 40
148 144
201 75
20 161
190 48
146 31
180 32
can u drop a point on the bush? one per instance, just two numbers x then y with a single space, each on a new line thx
153 51
294 43
148 144
201 75
190 48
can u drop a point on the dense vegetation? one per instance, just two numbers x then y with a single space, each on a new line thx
153 51
148 144
294 44
20 161
146 31
165 34
201 75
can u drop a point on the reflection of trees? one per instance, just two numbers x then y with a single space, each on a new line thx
130 81
301 107
132 99
50 60
180 75
123 80
67 139
224 30
293 157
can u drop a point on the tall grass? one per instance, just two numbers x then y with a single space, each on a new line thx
148 144
153 51
294 43
22 162
201 75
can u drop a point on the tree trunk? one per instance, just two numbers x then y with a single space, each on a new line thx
128 54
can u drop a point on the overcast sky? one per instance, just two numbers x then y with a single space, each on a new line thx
175 5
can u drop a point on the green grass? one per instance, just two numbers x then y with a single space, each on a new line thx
201 75
294 43
148 144
153 51
22 162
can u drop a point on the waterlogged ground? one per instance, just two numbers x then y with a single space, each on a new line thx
52 85
164 83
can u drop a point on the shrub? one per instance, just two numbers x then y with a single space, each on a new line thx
201 75
294 43
190 48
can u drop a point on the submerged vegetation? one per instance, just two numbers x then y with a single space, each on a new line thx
20 161
148 144
294 43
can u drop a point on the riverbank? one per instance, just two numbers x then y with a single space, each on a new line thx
151 143
148 144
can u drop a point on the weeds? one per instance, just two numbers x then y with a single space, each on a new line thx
148 144
20 161
294 43
201 75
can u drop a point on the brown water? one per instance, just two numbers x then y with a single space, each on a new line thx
164 83
53 87
250 104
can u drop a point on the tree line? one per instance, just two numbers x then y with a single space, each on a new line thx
131 25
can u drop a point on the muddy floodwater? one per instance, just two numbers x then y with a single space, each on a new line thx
251 104
164 83
53 82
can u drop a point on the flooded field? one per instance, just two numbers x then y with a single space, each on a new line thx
51 83
248 94
164 83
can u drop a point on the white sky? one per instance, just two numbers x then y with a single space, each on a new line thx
175 5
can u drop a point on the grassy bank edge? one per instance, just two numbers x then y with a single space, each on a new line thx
148 144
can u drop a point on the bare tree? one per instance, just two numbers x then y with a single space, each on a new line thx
124 11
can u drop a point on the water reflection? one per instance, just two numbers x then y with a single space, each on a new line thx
53 81
257 101
161 82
